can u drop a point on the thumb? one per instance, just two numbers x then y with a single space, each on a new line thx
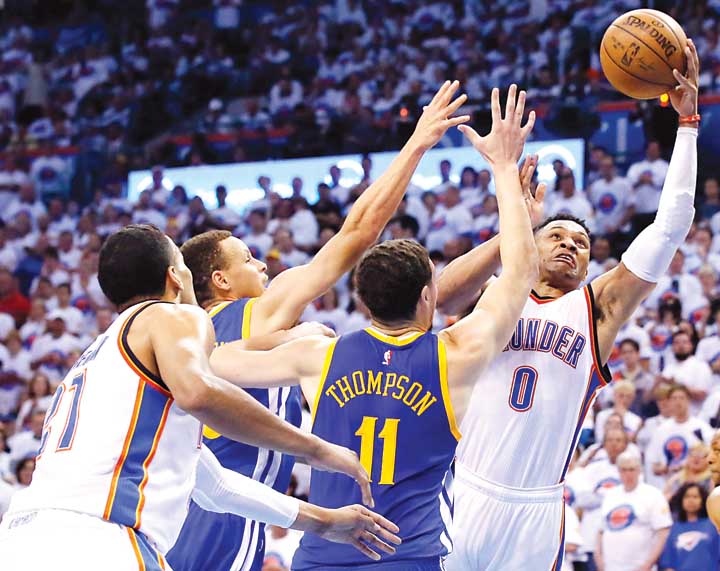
470 134
540 192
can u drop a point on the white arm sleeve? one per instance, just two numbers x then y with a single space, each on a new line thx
649 255
218 489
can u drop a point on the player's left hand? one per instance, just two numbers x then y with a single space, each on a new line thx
363 529
333 458
437 116
684 97
309 329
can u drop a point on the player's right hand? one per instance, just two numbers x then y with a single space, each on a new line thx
333 458
505 142
309 329
363 529
437 116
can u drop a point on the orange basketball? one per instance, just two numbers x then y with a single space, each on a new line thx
639 51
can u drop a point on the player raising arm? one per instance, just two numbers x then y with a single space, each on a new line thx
398 382
230 285
120 448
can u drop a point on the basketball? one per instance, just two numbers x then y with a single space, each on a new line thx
639 51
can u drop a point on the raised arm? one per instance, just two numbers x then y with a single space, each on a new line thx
619 292
289 293
473 341
180 340
461 282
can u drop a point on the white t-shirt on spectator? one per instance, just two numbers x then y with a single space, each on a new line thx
260 244
282 549
630 519
149 216
687 285
446 224
600 478
7 324
694 373
631 423
35 210
8 257
226 216
18 364
294 258
354 322
647 196
50 174
711 407
73 318
577 205
304 227
333 318
70 259
46 344
6 494
671 442
32 329
23 445
611 200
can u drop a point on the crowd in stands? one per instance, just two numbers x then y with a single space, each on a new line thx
351 75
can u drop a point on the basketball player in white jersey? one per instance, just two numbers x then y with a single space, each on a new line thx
528 407
121 452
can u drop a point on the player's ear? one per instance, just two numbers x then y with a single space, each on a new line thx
219 281
173 279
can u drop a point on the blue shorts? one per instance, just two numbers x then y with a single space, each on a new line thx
427 564
217 542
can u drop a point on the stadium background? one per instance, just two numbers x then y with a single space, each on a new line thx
232 89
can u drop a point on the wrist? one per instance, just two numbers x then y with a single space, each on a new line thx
312 518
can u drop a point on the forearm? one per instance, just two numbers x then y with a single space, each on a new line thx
235 414
220 490
649 256
460 282
518 252
658 545
266 342
252 369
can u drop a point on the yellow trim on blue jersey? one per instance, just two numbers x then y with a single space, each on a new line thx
323 377
210 433
218 308
442 364
397 341
247 315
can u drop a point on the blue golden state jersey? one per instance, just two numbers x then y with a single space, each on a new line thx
387 399
226 542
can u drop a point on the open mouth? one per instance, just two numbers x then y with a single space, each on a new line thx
566 258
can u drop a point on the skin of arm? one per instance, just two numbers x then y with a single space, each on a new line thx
598 554
182 361
713 508
272 340
288 295
462 280
619 292
658 544
475 340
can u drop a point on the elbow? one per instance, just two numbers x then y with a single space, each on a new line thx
195 397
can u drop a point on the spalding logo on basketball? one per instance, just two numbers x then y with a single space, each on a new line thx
620 518
675 450
639 51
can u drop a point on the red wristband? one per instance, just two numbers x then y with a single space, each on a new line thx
689 119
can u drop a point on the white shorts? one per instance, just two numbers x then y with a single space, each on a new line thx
69 541
496 528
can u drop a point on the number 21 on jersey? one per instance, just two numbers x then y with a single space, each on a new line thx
71 422
522 389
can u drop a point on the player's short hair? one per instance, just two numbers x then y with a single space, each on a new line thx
204 256
134 263
563 216
390 278
678 387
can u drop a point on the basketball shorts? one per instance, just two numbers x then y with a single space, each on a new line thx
69 541
497 528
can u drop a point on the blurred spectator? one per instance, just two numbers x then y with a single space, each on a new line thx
646 178
224 216
290 256
693 543
689 371
448 221
568 200
25 444
12 301
38 399
611 197
696 470
636 522
24 471
623 397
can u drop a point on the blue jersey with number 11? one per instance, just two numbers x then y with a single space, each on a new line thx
387 399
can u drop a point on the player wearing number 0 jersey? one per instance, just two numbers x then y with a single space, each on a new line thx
528 406
394 392
229 284
121 455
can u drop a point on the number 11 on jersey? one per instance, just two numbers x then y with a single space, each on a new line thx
388 434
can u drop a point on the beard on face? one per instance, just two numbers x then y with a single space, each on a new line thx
682 356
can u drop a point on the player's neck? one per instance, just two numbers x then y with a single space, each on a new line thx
215 301
543 289
396 329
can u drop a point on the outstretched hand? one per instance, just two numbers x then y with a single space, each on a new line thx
684 97
437 116
535 202
363 529
505 142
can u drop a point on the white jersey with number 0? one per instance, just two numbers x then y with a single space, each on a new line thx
528 407
115 445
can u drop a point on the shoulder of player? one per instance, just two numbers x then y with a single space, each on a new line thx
162 315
